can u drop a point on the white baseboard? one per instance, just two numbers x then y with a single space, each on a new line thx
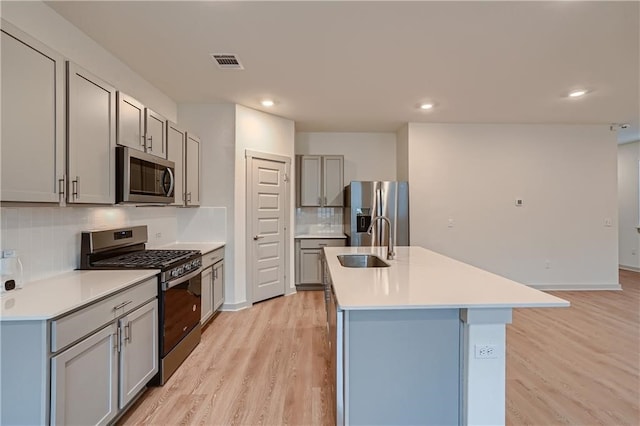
235 306
629 268
576 287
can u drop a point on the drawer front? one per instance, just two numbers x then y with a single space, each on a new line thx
319 243
70 328
212 257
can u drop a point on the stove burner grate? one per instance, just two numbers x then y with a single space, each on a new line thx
146 259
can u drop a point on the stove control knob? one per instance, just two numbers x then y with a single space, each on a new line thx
175 273
180 270
187 266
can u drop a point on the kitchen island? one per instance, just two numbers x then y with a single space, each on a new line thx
421 341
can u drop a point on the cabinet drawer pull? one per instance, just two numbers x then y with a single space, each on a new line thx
322 244
122 305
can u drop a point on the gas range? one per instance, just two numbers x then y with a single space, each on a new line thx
179 287
124 248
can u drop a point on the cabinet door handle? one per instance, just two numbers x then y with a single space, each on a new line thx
188 197
150 147
127 332
118 336
325 200
61 188
143 140
319 200
75 187
257 237
215 274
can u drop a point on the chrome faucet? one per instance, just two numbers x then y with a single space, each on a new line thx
390 253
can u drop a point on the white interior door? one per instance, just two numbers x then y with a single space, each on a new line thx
268 195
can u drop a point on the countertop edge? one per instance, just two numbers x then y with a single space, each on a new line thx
33 287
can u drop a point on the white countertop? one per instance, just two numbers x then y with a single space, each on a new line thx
422 279
326 236
203 247
51 297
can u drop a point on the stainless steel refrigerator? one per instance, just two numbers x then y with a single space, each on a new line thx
365 200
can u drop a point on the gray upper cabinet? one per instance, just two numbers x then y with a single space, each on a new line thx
91 136
176 143
183 148
333 180
155 134
141 128
192 171
320 180
32 119
130 122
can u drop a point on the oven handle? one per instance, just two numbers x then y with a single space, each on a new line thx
167 285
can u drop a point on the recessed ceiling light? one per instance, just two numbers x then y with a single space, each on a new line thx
267 103
426 106
577 93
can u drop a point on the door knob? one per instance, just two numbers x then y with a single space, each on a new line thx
257 237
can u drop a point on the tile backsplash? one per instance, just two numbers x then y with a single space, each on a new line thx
318 220
47 239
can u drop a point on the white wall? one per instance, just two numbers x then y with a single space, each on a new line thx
43 23
257 131
215 125
628 212
367 156
472 174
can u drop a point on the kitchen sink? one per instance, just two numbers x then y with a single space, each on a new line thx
362 261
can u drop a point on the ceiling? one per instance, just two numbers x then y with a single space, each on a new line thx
366 66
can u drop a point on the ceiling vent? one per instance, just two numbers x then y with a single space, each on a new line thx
227 61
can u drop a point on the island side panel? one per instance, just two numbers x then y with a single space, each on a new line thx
403 367
483 369
24 378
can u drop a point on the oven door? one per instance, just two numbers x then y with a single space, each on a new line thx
180 309
143 178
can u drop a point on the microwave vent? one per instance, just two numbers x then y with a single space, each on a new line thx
227 61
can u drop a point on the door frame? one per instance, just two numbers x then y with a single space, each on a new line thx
249 157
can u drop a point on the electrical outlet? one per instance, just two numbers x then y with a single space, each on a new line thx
8 253
158 234
450 223
486 351
608 222
547 264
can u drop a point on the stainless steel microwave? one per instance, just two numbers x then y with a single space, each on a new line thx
143 178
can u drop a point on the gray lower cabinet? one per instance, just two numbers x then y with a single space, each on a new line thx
206 297
309 261
84 381
212 283
83 368
97 377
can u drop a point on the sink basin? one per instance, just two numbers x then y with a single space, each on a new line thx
362 261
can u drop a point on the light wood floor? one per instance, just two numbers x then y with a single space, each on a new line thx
267 365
